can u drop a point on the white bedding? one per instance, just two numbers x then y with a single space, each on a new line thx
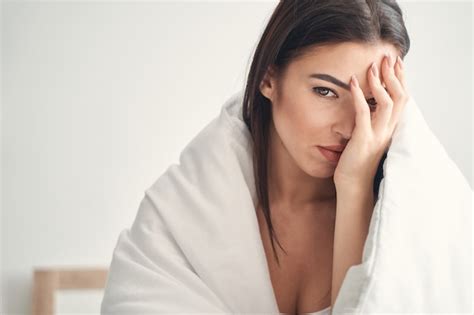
195 247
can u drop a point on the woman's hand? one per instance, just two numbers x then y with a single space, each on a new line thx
372 136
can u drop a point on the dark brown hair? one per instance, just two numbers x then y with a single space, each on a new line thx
294 26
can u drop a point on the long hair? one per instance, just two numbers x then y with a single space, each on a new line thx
294 26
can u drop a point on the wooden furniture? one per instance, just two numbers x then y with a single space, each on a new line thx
47 280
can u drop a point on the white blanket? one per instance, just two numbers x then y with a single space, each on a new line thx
195 245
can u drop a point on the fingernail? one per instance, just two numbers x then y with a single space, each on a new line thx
400 62
389 60
374 69
354 81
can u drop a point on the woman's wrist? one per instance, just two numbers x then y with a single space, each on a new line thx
355 186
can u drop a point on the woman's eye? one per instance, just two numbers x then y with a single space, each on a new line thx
323 91
372 103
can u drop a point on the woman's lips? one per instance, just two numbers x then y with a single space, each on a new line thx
330 155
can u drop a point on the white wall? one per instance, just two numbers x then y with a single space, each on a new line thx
99 98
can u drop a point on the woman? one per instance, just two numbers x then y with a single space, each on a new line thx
299 157
305 101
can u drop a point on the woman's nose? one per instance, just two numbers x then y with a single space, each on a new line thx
346 122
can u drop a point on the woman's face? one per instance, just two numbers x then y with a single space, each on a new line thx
310 111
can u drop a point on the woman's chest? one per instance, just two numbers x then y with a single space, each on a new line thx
302 280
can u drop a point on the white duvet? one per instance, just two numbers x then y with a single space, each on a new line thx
195 245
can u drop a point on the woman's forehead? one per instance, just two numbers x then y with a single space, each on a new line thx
347 53
342 60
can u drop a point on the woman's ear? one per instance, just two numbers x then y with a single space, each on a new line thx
268 84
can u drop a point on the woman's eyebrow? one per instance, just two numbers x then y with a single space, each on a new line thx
331 79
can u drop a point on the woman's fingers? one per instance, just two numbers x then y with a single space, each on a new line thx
403 99
361 108
400 73
384 101
388 88
394 86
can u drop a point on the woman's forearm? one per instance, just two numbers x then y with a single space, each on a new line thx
354 208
